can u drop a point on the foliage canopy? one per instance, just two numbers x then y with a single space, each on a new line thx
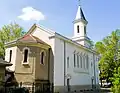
8 33
109 49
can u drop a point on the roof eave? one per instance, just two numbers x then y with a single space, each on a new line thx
5 63
10 43
78 20
71 41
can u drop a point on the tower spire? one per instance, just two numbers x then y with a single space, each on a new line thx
80 14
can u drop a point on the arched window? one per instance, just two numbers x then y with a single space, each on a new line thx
10 56
74 60
42 57
25 55
84 61
81 61
87 62
67 62
78 30
77 60
85 30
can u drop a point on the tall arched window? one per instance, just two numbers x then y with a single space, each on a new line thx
42 57
87 62
85 30
81 61
74 60
10 56
84 61
25 55
78 29
77 60
67 62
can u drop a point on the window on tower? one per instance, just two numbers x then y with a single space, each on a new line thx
78 29
85 29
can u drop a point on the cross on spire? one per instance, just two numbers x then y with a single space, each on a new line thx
79 2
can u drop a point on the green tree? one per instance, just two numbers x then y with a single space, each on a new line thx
108 49
8 33
116 81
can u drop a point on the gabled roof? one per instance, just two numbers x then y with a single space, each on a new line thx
31 39
53 34
28 38
34 26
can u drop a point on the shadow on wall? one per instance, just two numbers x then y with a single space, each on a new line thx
51 66
10 79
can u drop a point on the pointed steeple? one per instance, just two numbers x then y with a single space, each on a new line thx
80 14
80 27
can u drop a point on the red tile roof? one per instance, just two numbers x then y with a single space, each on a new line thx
31 39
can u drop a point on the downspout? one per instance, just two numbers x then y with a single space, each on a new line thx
64 63
94 69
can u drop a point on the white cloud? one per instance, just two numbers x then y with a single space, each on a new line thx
30 13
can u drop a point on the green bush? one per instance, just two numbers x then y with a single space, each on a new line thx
116 89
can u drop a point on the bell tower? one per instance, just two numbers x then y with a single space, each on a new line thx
80 25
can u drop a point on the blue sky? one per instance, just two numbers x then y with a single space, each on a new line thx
103 15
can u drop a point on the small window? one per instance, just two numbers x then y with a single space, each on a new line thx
25 55
10 56
74 60
42 58
67 62
78 29
84 29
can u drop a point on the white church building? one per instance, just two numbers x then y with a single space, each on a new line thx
75 63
